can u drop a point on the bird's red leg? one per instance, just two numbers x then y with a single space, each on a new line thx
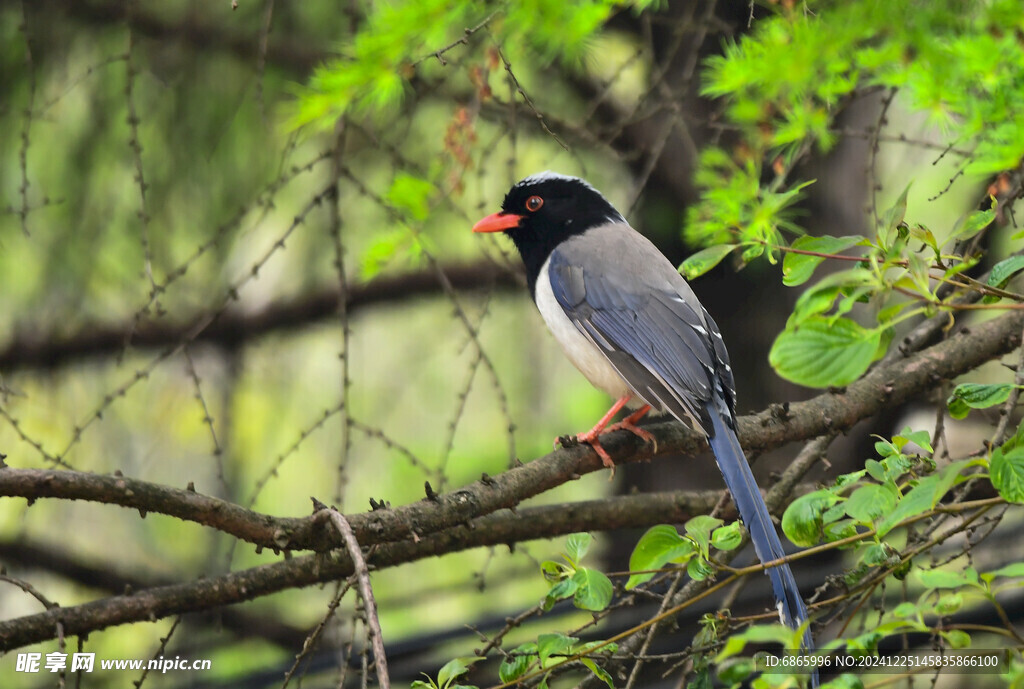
629 424
591 437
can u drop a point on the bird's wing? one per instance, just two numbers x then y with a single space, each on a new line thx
655 334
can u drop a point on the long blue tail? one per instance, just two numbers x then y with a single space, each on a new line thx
754 513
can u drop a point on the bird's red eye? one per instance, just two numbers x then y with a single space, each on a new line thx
534 203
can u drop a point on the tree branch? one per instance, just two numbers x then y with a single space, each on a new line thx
496 529
362 575
884 387
294 55
234 328
105 576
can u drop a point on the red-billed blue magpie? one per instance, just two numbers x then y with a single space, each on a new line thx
631 324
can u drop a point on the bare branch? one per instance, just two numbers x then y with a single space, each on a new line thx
233 328
362 575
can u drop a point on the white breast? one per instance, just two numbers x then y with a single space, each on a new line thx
583 353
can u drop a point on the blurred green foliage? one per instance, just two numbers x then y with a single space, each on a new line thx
959 63
371 74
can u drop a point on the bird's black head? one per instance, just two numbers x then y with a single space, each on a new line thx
542 211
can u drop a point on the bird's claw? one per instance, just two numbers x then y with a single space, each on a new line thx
565 442
626 425
592 438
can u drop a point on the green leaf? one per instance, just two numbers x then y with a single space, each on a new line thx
757 634
833 514
752 252
846 680
411 195
820 297
973 224
515 665
905 610
823 352
957 638
735 671
839 530
876 554
802 521
420 684
884 448
798 268
871 501
1013 570
922 439
727 537
699 530
899 464
598 671
875 468
949 604
384 247
922 497
816 299
976 396
926 237
563 589
941 579
893 217
1017 439
1007 473
554 644
602 646
577 545
701 678
844 480
660 545
593 589
453 668
699 569
704 260
1004 270
553 571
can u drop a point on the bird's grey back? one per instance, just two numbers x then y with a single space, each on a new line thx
628 259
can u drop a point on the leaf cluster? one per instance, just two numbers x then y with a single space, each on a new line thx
901 273
376 66
782 88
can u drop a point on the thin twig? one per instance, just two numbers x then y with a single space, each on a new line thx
529 101
30 590
27 125
466 34
1006 413
362 575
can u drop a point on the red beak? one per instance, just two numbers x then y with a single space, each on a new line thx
498 222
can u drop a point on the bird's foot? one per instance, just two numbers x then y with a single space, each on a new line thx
591 438
588 438
627 425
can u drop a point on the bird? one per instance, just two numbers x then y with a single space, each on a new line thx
634 328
